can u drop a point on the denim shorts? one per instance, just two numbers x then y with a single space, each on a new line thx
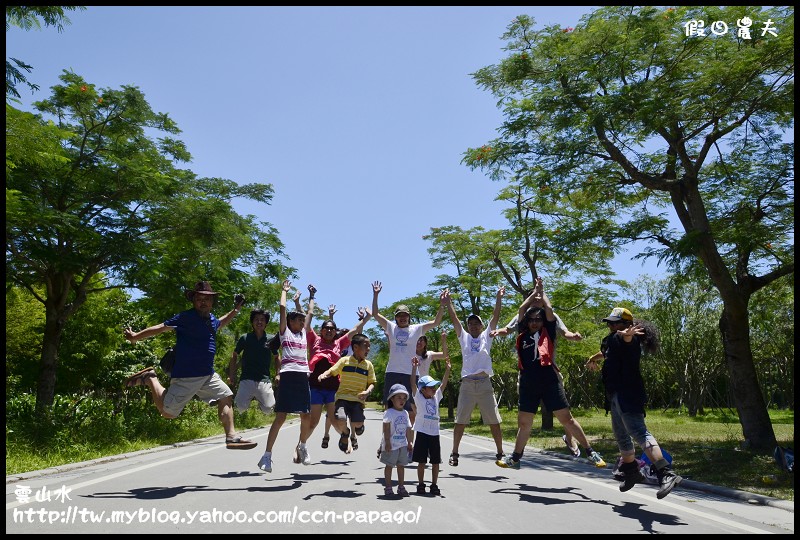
629 427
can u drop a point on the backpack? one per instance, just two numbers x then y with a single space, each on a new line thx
784 457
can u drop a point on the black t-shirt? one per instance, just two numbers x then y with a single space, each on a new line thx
622 372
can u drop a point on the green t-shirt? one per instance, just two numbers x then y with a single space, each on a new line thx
256 359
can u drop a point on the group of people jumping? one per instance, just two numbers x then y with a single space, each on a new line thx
331 371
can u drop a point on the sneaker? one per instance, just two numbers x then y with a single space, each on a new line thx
387 491
667 481
304 455
595 458
420 489
401 490
507 463
435 490
576 452
265 463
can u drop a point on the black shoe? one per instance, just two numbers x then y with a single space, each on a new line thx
420 489
434 490
667 480
631 476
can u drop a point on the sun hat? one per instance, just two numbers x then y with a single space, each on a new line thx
201 287
619 314
426 380
394 390
402 308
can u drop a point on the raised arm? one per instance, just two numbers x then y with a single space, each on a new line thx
545 301
453 316
446 377
376 289
282 309
443 296
238 302
296 298
501 291
310 315
332 311
413 377
363 316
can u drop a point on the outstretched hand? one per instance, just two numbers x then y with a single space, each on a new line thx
376 287
238 300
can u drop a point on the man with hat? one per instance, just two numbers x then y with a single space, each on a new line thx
402 338
193 373
621 351
476 375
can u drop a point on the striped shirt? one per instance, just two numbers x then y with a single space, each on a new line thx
354 377
294 351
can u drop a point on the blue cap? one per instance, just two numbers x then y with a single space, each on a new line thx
426 380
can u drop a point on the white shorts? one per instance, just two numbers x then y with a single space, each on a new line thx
261 391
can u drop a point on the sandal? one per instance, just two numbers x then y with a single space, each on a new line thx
138 378
325 441
238 443
453 459
344 442
354 442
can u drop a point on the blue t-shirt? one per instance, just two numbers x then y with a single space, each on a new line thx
196 344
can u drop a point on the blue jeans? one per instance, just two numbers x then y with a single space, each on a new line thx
629 427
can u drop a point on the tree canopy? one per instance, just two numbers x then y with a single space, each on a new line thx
627 122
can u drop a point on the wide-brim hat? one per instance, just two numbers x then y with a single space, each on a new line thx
201 287
395 390
619 314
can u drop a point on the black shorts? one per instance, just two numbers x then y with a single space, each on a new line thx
354 410
533 390
426 446
294 394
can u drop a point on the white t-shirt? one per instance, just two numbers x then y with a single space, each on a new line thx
294 349
402 346
399 422
425 365
427 419
475 353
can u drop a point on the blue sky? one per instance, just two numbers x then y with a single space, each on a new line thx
358 116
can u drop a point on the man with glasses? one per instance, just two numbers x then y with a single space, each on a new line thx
539 378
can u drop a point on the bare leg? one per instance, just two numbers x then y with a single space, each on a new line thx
225 413
458 432
387 476
280 418
157 392
524 424
497 435
572 427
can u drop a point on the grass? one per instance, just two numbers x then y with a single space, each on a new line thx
706 449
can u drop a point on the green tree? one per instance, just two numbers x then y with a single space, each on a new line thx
109 199
631 119
27 17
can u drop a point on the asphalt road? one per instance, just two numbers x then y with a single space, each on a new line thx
201 487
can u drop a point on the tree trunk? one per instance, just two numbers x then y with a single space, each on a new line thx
46 387
547 418
749 400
